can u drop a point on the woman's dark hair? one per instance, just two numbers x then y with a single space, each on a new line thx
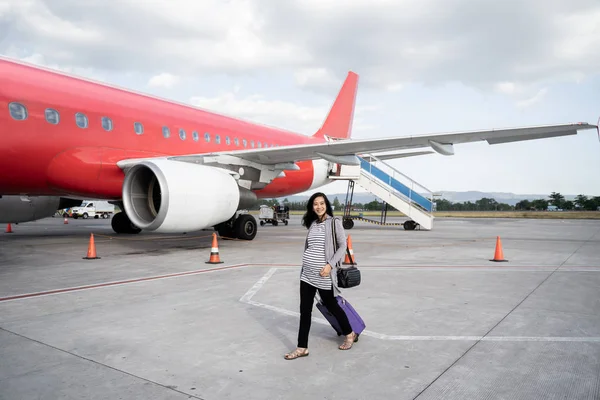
310 214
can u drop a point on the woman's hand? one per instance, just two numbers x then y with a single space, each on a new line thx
325 270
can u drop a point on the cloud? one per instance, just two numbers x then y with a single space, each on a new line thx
389 43
477 43
316 78
256 108
506 87
275 113
187 36
165 80
532 100
42 61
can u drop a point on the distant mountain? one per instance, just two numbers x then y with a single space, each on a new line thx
455 197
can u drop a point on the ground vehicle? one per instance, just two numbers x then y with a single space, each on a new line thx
93 208
271 215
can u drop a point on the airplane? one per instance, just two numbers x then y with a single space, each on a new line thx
172 167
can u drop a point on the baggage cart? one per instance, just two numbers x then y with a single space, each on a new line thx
272 215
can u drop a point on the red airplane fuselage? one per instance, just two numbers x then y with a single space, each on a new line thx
62 136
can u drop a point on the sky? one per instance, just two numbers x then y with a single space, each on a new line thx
425 67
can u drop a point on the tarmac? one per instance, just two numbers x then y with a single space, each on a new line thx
150 319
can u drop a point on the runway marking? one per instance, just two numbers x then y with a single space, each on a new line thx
247 299
296 266
116 283
489 268
258 285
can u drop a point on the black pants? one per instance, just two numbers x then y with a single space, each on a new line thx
307 296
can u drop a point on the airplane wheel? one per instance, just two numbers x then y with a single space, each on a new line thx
226 233
262 223
122 224
245 227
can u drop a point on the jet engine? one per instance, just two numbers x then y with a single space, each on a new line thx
174 196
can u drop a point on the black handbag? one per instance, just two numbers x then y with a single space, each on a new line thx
346 277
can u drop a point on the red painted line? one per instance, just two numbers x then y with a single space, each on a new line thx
150 278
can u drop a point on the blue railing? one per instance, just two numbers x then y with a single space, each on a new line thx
394 183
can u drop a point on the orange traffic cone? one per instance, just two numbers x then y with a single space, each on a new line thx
347 260
499 255
91 254
214 252
9 228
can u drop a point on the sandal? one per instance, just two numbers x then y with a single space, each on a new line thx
347 345
295 354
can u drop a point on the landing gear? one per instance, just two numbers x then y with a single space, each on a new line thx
122 224
245 227
241 226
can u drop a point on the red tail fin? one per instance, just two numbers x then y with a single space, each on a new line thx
338 123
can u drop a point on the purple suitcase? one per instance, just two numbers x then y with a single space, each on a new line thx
356 322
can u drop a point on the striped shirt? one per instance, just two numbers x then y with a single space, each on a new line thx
313 259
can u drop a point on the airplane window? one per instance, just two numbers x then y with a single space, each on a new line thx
18 111
139 128
81 120
52 116
236 141
107 124
207 137
218 139
166 132
245 142
227 140
195 136
181 134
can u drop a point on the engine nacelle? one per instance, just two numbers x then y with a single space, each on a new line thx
175 196
15 209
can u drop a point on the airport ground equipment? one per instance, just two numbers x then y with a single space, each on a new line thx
392 187
92 208
272 215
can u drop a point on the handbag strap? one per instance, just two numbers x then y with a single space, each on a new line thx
334 236
335 242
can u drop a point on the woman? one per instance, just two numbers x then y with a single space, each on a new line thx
319 272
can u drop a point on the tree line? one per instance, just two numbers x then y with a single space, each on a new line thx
581 202
336 203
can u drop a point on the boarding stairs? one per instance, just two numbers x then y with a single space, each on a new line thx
392 187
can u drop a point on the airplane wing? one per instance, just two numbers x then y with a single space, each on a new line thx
393 156
345 151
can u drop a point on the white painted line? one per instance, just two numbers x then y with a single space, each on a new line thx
246 298
287 312
540 339
458 269
257 286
